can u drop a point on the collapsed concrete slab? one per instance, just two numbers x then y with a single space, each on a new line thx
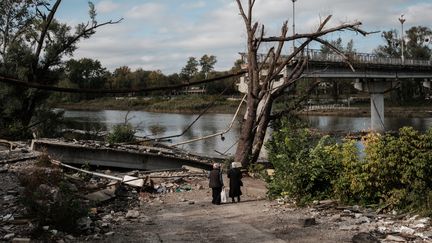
127 156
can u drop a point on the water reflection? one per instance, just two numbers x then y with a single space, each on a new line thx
357 124
169 124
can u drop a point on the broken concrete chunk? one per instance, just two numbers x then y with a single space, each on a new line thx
364 237
9 236
132 214
107 217
395 238
84 223
307 222
193 169
406 230
133 181
20 240
102 195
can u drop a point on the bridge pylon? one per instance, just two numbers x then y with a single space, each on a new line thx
376 89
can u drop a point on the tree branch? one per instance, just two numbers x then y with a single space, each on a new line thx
242 13
297 103
44 31
349 26
302 46
86 31
335 49
266 58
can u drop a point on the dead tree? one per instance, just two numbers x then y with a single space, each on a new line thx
261 91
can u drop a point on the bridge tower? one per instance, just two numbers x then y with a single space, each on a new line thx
376 89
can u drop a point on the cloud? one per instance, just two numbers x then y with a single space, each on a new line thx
106 6
146 11
194 5
162 35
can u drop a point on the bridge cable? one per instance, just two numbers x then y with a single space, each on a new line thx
215 134
192 123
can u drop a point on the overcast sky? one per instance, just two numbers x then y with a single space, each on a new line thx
162 34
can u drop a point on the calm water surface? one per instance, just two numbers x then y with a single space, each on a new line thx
155 125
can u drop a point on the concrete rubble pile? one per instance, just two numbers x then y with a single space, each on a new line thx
112 202
370 225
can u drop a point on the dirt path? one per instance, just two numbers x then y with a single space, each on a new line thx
190 217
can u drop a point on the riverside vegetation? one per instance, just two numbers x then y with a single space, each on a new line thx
393 172
178 103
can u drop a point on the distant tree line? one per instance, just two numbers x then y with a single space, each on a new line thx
89 73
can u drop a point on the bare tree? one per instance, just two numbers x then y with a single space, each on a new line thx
262 90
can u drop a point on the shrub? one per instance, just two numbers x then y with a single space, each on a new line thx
395 171
50 200
121 133
257 170
48 123
305 164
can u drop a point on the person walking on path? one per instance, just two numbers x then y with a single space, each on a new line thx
216 183
235 176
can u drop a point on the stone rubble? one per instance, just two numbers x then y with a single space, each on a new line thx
125 202
389 228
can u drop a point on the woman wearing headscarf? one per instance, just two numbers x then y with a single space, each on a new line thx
216 183
235 176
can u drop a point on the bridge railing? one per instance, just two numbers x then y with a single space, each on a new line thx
317 55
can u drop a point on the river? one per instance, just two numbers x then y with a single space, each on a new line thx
152 124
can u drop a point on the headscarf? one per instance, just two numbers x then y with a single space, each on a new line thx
236 165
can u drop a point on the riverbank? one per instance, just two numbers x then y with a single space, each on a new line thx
405 112
175 104
227 105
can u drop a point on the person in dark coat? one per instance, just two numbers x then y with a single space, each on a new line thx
235 176
216 183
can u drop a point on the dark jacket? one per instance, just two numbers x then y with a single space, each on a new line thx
215 179
235 176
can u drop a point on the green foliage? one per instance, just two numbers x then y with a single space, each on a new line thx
121 133
48 123
33 48
393 171
396 170
190 70
85 73
14 130
257 170
207 64
305 164
416 46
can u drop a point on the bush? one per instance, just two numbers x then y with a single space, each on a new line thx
121 134
395 171
50 200
47 123
305 164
